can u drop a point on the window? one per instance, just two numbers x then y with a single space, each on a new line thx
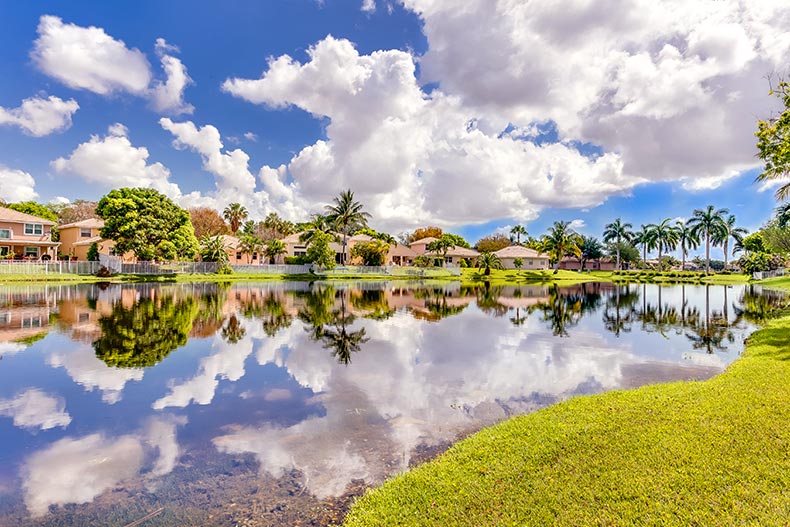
300 253
31 322
4 250
5 234
85 232
34 228
238 256
31 252
531 263
254 256
448 259
5 318
83 317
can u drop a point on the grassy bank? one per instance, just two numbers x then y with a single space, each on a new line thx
690 453
513 277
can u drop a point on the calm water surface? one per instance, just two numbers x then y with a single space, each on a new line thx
276 403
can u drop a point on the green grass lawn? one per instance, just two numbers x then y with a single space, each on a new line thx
52 277
691 453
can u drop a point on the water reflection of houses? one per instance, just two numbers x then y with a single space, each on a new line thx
24 317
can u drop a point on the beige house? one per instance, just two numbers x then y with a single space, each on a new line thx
296 247
530 258
76 238
570 263
400 254
452 257
26 237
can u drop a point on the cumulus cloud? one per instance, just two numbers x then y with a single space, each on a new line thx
415 157
578 223
88 58
33 408
250 136
368 6
87 370
16 185
39 117
112 161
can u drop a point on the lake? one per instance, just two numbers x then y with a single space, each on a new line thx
278 403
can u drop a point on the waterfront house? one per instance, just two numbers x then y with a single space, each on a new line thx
23 236
530 258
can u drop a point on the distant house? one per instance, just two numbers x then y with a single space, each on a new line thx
295 247
530 258
452 257
571 263
400 254
76 238
25 236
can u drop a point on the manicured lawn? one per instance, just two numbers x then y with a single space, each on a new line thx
512 277
16 278
691 453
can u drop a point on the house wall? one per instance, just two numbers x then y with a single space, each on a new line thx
70 236
18 240
527 264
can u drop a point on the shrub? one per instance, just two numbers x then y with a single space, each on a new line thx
295 260
225 269
104 272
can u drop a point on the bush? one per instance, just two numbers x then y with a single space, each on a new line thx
225 269
104 272
296 260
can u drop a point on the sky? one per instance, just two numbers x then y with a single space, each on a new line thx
474 116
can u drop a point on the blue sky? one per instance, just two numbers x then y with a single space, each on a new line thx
434 115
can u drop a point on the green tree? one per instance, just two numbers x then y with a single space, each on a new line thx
372 253
144 334
347 216
665 236
318 250
274 249
146 223
561 241
517 263
488 261
782 215
214 249
688 238
708 222
773 142
441 246
518 231
34 209
93 252
235 214
644 237
590 249
729 230
383 236
250 245
617 232
628 253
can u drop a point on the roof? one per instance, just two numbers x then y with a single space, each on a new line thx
95 239
93 223
518 251
421 241
11 215
463 252
231 242
401 250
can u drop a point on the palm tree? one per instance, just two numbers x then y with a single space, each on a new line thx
688 238
591 249
665 237
488 261
317 223
214 249
442 245
250 245
274 249
235 213
618 231
644 237
347 216
710 222
729 230
561 241
518 231
783 215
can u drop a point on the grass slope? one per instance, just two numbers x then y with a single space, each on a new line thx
693 453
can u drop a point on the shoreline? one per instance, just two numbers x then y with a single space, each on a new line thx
707 452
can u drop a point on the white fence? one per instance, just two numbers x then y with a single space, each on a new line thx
392 270
50 267
271 269
762 275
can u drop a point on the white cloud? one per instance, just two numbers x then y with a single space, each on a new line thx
250 136
87 370
59 200
16 185
33 408
112 161
168 96
368 6
88 58
578 223
39 117
413 158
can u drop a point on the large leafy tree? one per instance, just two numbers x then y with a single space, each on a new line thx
590 249
235 214
442 245
347 216
708 223
425 232
207 221
492 243
688 238
318 250
373 252
617 232
729 230
561 241
665 236
773 142
147 223
75 211
34 209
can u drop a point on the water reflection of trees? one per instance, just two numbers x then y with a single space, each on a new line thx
147 331
270 309
758 304
373 302
329 322
566 307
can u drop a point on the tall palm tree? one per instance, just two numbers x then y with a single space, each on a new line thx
665 236
618 232
729 230
709 222
645 238
249 245
518 231
235 214
347 216
560 241
783 215
274 249
317 223
688 238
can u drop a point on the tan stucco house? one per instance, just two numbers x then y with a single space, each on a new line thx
76 238
452 257
26 237
530 258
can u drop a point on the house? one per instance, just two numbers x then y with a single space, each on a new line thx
26 237
451 257
295 247
530 258
76 238
571 263
400 254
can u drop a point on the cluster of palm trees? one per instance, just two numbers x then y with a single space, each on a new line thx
711 226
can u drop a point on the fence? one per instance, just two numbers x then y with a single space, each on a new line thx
50 267
391 270
147 268
762 275
271 269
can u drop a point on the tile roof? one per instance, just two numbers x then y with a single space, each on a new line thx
518 251
7 214
93 223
